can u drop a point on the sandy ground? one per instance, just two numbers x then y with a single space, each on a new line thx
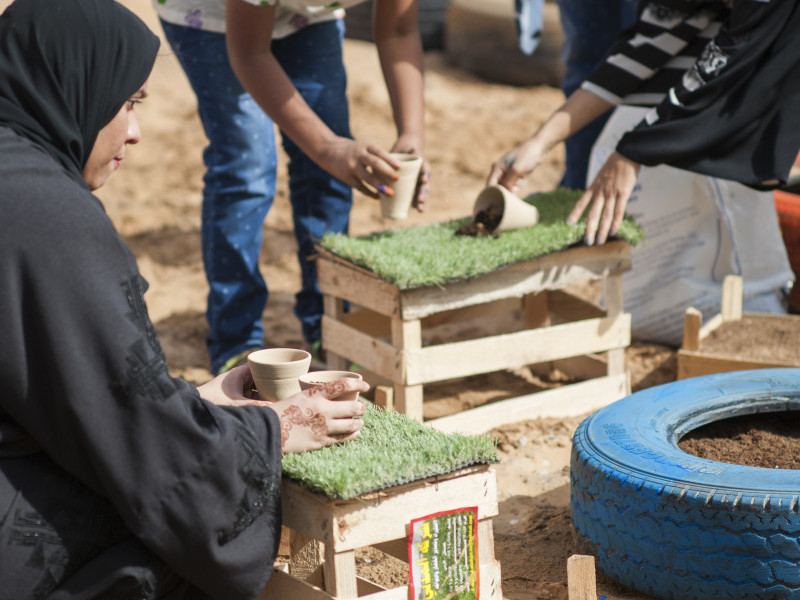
155 203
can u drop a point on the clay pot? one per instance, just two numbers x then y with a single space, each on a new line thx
315 378
275 371
397 205
514 212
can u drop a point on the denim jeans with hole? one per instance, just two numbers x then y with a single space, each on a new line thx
239 184
590 28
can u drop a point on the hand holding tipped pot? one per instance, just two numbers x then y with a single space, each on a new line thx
516 164
310 419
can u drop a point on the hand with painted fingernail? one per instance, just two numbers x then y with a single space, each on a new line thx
362 166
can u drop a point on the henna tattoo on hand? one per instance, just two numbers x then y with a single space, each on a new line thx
304 418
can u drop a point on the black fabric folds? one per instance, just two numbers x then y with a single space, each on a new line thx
743 122
49 73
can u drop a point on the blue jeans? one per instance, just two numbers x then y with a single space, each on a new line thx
590 29
239 184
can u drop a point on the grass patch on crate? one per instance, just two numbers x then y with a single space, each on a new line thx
392 449
433 254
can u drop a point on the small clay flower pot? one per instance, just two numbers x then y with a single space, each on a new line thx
397 205
514 211
275 371
316 378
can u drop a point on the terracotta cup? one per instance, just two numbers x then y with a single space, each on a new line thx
275 371
315 378
397 205
515 211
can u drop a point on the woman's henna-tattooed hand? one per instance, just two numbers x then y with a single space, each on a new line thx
304 418
320 416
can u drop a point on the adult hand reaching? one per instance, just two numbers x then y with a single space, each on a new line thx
608 195
509 170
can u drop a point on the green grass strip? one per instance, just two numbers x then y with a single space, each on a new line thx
392 449
433 255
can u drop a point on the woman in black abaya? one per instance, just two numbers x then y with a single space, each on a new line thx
116 480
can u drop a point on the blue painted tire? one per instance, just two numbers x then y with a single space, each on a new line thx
677 526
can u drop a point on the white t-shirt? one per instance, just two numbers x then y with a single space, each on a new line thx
290 16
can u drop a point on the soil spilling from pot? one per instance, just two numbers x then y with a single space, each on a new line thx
482 225
769 440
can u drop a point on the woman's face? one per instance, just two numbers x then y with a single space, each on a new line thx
109 147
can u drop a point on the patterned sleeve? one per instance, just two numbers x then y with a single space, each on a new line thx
650 56
733 113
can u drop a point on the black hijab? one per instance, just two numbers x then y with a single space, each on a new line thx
66 68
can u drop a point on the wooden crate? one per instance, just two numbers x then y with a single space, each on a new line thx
326 533
695 360
385 336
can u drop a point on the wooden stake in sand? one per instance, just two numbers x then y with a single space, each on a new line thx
581 582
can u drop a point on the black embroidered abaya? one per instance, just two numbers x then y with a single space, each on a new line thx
116 480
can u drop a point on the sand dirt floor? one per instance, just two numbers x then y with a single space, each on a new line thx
155 202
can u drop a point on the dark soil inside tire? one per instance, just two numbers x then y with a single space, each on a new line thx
770 440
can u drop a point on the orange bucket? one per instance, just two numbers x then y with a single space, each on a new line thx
788 208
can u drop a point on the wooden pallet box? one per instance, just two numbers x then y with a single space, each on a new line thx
385 336
696 356
325 534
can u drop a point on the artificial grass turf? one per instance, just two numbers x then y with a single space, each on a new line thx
433 254
392 449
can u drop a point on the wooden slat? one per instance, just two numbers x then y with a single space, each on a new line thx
581 578
536 310
695 364
550 272
499 307
372 354
366 587
382 517
613 304
569 400
613 294
348 282
369 322
340 574
512 350
584 367
710 326
568 307
333 308
407 335
384 397
692 322
395 548
731 298
491 583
